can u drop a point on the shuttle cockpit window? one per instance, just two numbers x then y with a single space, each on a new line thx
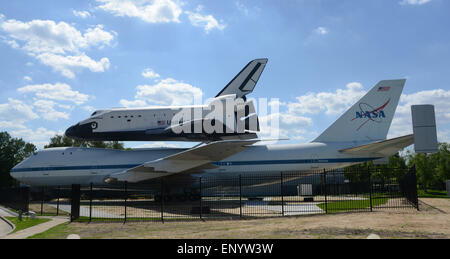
98 113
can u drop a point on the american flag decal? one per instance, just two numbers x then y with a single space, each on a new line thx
384 88
161 123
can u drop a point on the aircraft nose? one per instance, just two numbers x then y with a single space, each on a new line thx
80 131
70 132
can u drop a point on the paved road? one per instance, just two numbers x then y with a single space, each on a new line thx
5 228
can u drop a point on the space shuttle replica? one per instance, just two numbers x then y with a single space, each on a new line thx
228 116
227 128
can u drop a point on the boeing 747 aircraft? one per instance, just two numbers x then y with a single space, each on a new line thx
359 135
166 124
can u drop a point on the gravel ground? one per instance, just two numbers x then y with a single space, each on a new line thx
432 221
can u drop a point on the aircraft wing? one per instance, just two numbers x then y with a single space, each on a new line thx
194 158
382 148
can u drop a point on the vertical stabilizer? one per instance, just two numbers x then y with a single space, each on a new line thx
245 81
370 118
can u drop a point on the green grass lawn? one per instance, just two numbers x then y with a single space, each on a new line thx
26 222
349 205
56 232
432 194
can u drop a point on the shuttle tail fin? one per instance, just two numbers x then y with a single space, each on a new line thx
245 81
370 118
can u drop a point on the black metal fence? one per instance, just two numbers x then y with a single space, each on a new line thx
15 198
240 196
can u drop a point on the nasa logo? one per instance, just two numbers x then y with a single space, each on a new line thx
366 111
372 114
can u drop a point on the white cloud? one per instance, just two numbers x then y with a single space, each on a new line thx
58 91
166 92
15 113
160 11
402 122
12 43
27 78
39 137
48 112
291 119
59 45
149 73
151 11
135 103
67 64
414 2
81 14
330 103
208 22
241 7
89 108
321 31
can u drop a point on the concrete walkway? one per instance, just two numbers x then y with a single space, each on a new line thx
5 225
22 234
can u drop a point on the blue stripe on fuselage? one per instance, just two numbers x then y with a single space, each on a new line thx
230 163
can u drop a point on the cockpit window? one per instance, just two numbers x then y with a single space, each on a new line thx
94 113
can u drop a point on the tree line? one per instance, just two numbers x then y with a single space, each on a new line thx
432 169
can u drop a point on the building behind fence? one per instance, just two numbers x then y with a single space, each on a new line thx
242 196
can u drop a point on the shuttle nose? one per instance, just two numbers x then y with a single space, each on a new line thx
71 131
78 131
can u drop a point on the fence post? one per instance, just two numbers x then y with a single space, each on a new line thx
75 202
240 196
126 197
162 200
90 203
201 205
370 188
281 189
325 183
42 200
414 186
57 200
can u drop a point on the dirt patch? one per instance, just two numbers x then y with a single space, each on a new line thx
360 233
428 223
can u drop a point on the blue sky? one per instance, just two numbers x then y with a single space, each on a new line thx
60 60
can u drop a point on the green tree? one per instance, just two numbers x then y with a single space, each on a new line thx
443 163
394 169
64 141
432 169
12 152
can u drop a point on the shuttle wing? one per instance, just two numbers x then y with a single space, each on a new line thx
195 158
382 148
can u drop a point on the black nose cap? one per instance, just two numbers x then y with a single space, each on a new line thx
83 131
71 131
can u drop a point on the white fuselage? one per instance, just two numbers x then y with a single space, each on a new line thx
66 166
173 123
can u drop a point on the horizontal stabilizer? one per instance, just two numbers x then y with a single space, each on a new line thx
381 148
